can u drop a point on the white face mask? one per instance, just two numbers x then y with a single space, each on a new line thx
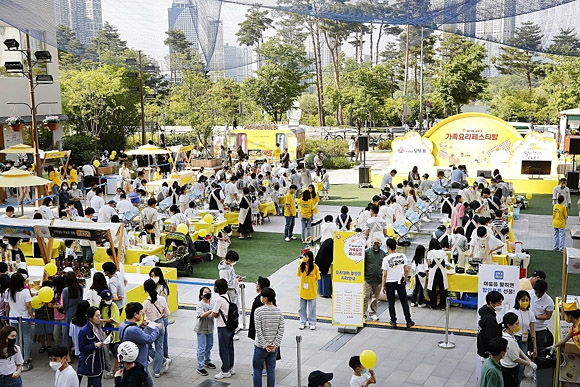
498 308
108 302
155 279
55 365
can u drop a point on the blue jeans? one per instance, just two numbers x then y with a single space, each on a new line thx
25 337
307 311
95 381
306 227
261 356
9 381
148 380
289 227
226 348
165 338
204 346
156 349
559 238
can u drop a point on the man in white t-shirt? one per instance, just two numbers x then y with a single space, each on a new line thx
395 274
386 212
97 201
225 336
542 306
65 375
374 225
484 245
107 212
388 180
123 205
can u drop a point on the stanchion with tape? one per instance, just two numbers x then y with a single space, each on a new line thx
20 335
299 359
446 344
243 298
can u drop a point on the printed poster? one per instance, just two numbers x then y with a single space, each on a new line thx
348 279
504 279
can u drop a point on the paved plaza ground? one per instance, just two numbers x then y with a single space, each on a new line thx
405 357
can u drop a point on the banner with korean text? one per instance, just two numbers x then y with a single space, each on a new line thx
348 279
504 279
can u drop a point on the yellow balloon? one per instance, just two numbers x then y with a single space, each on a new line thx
529 196
182 228
194 235
114 152
265 183
46 294
368 358
97 163
170 159
202 233
208 218
112 157
36 302
390 230
50 269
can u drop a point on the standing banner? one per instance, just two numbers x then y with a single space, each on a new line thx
348 279
504 279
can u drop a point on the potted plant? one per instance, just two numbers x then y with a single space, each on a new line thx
16 123
51 122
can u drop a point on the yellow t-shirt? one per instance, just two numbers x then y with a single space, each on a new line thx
308 282
289 205
55 178
559 215
305 207
276 153
73 176
314 204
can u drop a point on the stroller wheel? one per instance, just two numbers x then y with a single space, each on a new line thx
189 270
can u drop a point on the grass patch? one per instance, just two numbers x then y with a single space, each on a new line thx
349 195
551 263
262 256
542 205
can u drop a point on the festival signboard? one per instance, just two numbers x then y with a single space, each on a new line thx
505 279
348 279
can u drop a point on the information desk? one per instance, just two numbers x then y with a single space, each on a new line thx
132 255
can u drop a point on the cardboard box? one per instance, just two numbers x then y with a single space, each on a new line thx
573 260
570 347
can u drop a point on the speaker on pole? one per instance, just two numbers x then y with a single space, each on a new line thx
363 143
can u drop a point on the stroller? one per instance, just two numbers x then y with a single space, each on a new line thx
206 245
179 250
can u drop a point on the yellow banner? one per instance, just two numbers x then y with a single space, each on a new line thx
55 155
348 279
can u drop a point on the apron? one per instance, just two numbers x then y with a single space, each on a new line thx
439 265
220 205
343 223
461 260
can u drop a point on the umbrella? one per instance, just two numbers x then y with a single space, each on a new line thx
19 178
148 150
18 149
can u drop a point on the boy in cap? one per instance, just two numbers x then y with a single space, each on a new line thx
319 379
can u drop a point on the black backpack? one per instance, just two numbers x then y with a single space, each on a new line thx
233 316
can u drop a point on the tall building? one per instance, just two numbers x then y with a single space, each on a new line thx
216 63
84 17
183 16
237 62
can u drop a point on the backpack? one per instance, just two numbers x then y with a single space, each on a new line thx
233 316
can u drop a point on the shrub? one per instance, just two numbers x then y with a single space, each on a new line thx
330 148
82 148
337 163
385 145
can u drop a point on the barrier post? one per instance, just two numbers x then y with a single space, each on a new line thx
243 298
299 359
446 344
20 334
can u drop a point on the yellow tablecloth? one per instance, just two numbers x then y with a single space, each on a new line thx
232 217
214 227
267 208
499 259
26 248
464 283
132 256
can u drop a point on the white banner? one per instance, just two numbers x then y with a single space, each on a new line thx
504 279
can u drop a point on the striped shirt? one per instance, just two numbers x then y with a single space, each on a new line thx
269 326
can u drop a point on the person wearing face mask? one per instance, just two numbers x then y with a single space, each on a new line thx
110 317
92 348
571 316
526 337
65 375
491 375
63 199
488 326
204 328
373 277
543 308
562 190
10 357
514 356
361 377
155 309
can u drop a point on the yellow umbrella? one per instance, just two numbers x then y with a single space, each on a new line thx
148 150
17 178
17 149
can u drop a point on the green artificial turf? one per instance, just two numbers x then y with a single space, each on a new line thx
349 195
542 205
551 263
262 256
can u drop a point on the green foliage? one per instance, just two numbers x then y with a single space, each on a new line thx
82 148
385 145
565 43
251 32
337 163
70 47
330 148
181 139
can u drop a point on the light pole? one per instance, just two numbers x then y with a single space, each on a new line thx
421 88
142 96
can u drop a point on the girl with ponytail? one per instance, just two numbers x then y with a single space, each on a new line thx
155 309
309 276
514 356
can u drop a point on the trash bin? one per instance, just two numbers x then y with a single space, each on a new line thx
575 234
364 177
546 363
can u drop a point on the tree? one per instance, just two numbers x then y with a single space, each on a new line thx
460 79
251 32
565 43
522 61
182 57
70 48
107 46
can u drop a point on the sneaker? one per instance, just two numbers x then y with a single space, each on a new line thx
222 375
109 375
157 375
232 371
150 360
414 304
264 373
393 324
422 306
293 237
211 366
312 327
287 239
27 366
373 317
236 337
301 326
202 372
166 365
410 324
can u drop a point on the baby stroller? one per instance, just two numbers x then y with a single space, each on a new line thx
129 218
179 251
206 245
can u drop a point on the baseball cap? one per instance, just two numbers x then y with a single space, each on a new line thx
113 202
377 239
539 273
106 295
67 269
425 175
318 378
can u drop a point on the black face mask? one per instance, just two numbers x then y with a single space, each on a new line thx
11 342
207 296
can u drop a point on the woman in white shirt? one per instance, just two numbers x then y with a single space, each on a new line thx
437 260
420 270
19 299
177 218
45 210
526 337
412 201
10 358
514 356
155 309
93 295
